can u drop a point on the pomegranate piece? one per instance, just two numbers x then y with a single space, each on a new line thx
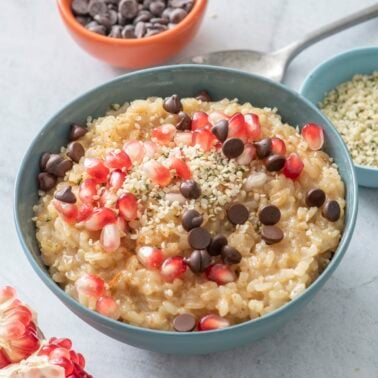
128 206
293 166
172 268
214 117
313 134
163 134
149 257
108 198
68 211
116 179
97 169
99 218
237 127
87 190
107 306
90 285
253 126
150 149
110 238
135 150
278 146
200 120
211 322
204 138
159 174
118 160
183 139
220 273
247 155
84 211
181 168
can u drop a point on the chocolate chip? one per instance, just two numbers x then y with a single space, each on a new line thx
46 181
216 245
151 32
179 3
143 16
190 189
166 13
191 219
140 29
199 238
198 261
220 130
157 8
75 151
233 147
172 104
184 123
184 323
108 19
128 31
77 132
97 7
65 195
271 234
177 15
58 166
331 211
270 215
315 198
274 163
128 8
43 161
231 255
80 7
83 20
116 31
203 96
237 213
94 27
263 147
161 21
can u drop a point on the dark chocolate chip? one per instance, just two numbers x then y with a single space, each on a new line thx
271 234
128 8
75 151
233 147
198 261
216 245
220 130
94 27
143 15
199 238
80 7
46 181
237 213
83 20
166 13
190 189
65 195
263 147
184 323
157 8
231 255
184 123
270 215
161 21
315 198
108 19
172 104
116 31
58 166
44 158
203 96
177 15
179 3
77 132
331 211
128 31
140 29
97 7
275 163
191 219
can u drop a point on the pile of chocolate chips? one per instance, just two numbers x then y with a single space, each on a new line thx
130 18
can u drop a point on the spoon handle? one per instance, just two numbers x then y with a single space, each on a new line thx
295 48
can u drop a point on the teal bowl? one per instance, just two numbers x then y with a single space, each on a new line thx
186 81
329 75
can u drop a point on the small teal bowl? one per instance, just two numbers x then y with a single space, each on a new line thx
186 81
329 75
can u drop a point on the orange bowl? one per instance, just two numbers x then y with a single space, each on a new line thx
134 53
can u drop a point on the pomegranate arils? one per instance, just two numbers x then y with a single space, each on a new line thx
278 146
293 166
84 211
247 155
87 190
200 120
184 139
110 238
135 150
163 134
118 160
97 169
116 179
211 322
204 138
253 126
128 206
313 134
150 257
68 211
99 219
90 285
237 127
172 268
107 306
181 168
159 174
220 273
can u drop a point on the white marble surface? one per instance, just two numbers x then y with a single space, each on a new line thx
41 69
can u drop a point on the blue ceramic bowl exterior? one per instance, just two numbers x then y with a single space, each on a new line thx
329 75
186 81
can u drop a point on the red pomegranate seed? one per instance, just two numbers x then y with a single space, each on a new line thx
107 306
237 127
150 257
135 150
99 219
68 211
172 268
278 146
4 361
97 169
313 134
116 179
181 168
200 120
211 322
159 174
63 343
293 166
215 117
90 285
84 211
110 238
248 155
65 363
253 126
60 352
108 198
122 225
118 160
128 206
204 138
150 149
183 139
87 190
163 134
220 273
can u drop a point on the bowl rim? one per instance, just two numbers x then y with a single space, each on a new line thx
77 307
334 60
67 14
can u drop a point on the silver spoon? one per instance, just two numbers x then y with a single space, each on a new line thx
273 65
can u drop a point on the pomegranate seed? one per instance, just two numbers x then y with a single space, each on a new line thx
204 138
215 117
150 149
150 257
313 134
278 146
128 206
110 238
220 273
293 166
4 361
60 352
212 321
107 306
90 285
116 179
248 155
84 211
135 150
159 174
99 219
122 225
163 134
63 343
172 268
183 139
181 168
118 160
68 211
200 120
65 363
108 198
252 123
96 169
87 190
237 127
